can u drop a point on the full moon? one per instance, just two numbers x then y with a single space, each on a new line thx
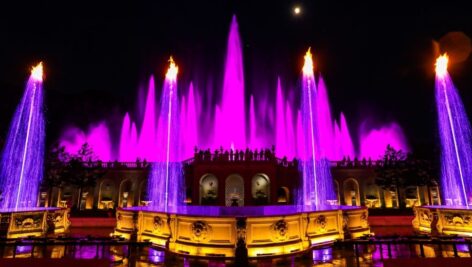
297 10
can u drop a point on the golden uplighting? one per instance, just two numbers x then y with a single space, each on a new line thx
37 72
308 66
171 74
441 65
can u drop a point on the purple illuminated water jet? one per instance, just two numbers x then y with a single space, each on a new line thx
165 183
97 137
147 136
456 139
317 189
230 122
374 140
22 159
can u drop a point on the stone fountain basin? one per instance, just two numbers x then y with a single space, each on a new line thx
214 231
33 222
443 220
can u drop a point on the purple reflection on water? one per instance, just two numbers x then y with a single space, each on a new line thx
156 256
24 250
86 252
322 255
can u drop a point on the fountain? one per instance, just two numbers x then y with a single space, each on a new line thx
21 169
224 231
453 217
165 182
236 120
317 187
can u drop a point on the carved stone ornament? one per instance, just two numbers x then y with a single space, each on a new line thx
457 219
279 230
158 224
426 216
201 230
321 221
27 222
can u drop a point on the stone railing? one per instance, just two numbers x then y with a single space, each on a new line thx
221 159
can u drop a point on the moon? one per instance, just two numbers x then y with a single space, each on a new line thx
297 10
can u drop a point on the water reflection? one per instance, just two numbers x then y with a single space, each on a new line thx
323 255
343 255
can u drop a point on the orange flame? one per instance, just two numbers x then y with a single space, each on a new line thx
37 72
171 74
308 66
441 65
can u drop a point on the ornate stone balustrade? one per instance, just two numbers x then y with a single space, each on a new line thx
260 235
443 220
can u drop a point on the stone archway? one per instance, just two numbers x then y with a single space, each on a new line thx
106 195
208 189
143 195
372 196
126 195
283 195
351 192
234 190
260 189
336 191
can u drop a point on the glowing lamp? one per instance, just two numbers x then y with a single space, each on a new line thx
37 72
171 74
441 65
308 66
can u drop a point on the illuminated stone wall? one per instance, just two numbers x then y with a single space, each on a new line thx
261 236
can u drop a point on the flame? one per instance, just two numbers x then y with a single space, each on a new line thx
308 66
171 74
37 72
441 65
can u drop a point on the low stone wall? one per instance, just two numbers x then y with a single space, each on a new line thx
255 236
36 222
443 220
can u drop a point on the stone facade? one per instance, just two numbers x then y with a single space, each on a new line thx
223 180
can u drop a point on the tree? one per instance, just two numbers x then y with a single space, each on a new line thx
390 174
81 171
399 170
55 168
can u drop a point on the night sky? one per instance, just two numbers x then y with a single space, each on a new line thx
377 58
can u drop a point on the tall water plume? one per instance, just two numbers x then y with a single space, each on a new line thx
22 159
317 186
230 119
456 139
166 187
230 122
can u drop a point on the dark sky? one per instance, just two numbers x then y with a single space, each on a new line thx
376 56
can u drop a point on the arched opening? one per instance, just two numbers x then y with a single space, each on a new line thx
234 191
67 197
260 189
126 196
434 195
391 198
372 196
208 189
412 196
283 195
143 193
338 195
351 192
106 195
